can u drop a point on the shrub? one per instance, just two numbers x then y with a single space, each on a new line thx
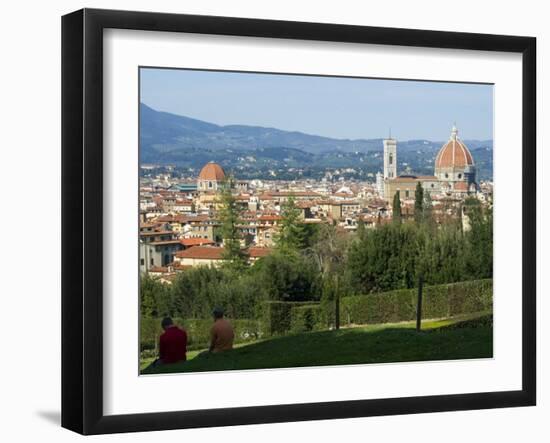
307 318
276 316
470 296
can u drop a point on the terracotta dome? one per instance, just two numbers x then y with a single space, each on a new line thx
212 171
453 154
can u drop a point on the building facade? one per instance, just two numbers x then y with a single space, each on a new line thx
454 172
454 165
390 158
210 178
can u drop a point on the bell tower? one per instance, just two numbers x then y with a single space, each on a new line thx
390 158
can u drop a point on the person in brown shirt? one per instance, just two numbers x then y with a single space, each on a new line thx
221 333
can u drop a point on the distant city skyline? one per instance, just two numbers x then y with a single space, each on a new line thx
337 107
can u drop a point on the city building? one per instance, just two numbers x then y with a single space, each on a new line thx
390 158
180 220
455 167
210 178
157 253
454 172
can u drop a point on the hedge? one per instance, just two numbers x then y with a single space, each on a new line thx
277 316
307 318
438 301
198 331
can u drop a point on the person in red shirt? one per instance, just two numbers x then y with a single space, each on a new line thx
172 344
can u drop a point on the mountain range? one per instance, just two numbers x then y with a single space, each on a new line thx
255 151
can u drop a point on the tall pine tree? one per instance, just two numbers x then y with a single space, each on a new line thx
229 215
291 235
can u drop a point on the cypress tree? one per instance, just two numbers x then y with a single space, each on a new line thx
428 216
360 228
419 203
396 208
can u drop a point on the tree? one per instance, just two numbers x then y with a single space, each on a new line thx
329 254
419 203
286 277
291 235
387 258
479 239
361 228
229 215
428 209
396 208
197 290
155 297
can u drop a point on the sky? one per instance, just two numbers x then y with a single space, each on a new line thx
339 107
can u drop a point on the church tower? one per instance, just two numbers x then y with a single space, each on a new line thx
390 158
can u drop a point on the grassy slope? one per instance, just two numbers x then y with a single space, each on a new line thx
440 340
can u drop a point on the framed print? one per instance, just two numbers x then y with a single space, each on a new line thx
269 221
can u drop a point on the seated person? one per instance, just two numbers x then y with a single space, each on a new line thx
172 344
221 333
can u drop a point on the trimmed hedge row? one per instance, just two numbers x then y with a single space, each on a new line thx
307 318
198 331
277 316
437 302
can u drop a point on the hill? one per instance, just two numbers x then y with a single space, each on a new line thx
259 152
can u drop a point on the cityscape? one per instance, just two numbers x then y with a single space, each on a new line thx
278 228
179 226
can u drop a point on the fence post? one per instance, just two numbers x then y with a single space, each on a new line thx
419 303
336 305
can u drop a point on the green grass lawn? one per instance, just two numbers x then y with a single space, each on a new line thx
448 339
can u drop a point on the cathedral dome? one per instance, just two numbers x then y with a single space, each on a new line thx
212 172
454 154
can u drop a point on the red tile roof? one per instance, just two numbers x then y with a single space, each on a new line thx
202 252
188 242
256 252
270 217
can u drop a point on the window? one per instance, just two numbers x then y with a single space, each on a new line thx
209 184
152 262
407 193
446 175
142 261
391 159
459 175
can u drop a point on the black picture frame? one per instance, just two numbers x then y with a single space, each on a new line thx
82 218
